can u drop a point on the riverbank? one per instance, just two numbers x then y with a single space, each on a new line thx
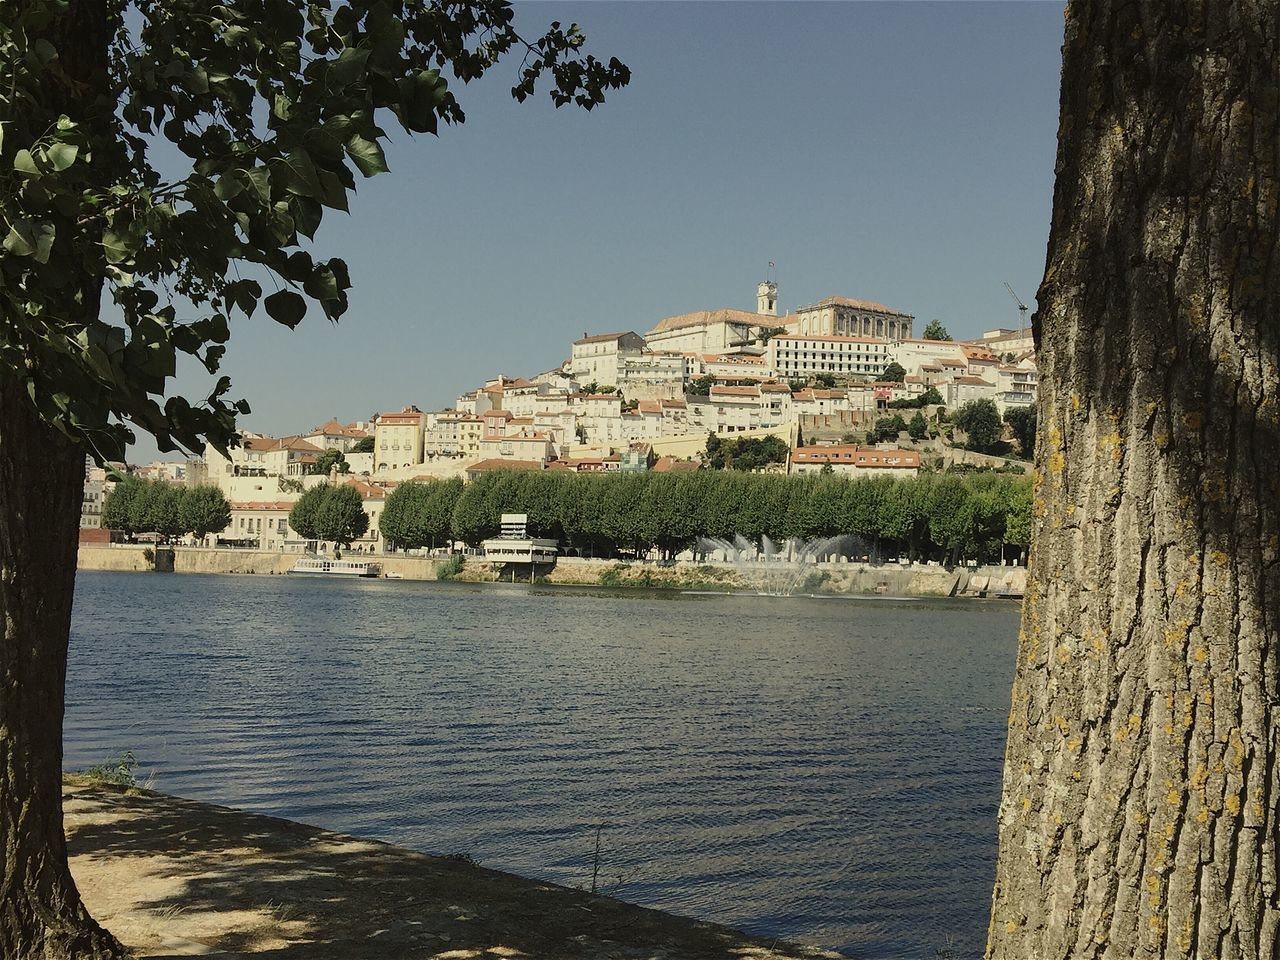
173 877
902 580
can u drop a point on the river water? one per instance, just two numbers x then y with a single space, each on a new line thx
820 770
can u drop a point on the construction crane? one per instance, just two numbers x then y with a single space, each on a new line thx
1022 310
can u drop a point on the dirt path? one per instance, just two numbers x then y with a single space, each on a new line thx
173 877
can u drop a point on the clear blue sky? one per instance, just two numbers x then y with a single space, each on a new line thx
899 152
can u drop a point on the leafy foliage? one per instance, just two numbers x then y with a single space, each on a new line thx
917 428
169 509
340 517
893 373
941 517
332 513
931 397
304 516
205 510
419 515
936 331
1022 420
745 453
363 445
980 420
276 107
887 428
327 461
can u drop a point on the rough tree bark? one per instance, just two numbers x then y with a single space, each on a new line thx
1139 816
41 486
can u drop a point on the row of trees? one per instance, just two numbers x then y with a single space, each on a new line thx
168 509
328 512
419 515
946 518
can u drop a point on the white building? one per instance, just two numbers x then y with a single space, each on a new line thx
796 357
855 461
963 389
737 409
599 359
848 317
911 355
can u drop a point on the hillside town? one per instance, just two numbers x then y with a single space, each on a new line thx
818 379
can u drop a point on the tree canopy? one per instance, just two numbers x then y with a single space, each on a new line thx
170 509
277 107
981 423
893 373
935 331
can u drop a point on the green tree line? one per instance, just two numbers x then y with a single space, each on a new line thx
982 517
169 509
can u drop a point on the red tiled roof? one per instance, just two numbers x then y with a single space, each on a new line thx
672 465
497 464
274 505
701 318
848 454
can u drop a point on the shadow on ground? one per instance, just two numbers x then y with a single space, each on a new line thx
174 877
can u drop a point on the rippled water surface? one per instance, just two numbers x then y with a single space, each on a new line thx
822 770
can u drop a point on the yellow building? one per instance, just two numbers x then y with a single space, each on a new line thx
397 439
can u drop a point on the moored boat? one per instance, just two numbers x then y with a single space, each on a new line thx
319 567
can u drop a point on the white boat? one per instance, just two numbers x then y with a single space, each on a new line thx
319 567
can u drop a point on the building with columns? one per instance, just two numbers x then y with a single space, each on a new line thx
847 317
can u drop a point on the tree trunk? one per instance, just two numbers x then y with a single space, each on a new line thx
41 488
1139 816
42 476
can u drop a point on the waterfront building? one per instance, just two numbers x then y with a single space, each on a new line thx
96 488
514 545
852 460
261 525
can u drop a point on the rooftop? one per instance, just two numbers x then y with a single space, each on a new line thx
701 318
869 305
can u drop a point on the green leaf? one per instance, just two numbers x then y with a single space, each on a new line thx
367 155
348 68
322 284
229 186
62 155
302 176
24 162
286 307
116 246
30 238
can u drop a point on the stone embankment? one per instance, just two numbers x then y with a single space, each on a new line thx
891 579
172 877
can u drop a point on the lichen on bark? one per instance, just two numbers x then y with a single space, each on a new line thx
1139 815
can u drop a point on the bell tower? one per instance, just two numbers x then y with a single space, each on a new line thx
767 298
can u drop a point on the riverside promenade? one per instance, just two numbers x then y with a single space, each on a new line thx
174 878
